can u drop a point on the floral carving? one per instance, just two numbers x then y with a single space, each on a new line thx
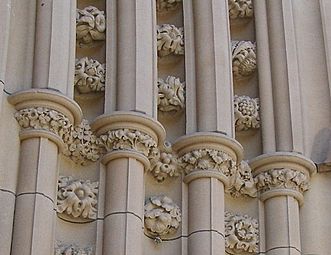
246 112
167 5
241 234
242 182
170 40
72 249
282 178
82 145
171 94
240 9
164 164
162 216
89 75
208 159
128 139
90 26
243 59
77 198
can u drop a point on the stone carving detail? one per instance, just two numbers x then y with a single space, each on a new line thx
72 249
90 26
89 75
241 234
82 145
171 94
242 182
167 5
77 198
162 216
243 59
246 113
127 139
208 159
170 40
282 178
164 164
239 9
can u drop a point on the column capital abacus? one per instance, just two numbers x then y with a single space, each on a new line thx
282 174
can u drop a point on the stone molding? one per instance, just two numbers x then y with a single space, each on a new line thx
243 59
170 40
90 26
240 9
162 216
77 198
241 234
171 94
72 249
246 113
163 6
282 174
89 75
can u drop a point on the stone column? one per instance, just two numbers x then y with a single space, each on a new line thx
54 52
46 118
281 180
209 160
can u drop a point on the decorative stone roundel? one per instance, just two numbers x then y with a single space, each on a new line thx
240 9
170 40
243 59
246 113
170 94
162 216
167 5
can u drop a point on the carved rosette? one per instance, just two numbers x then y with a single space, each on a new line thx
90 26
243 59
167 5
77 198
242 182
170 40
240 9
171 95
241 234
162 216
72 249
282 178
89 75
246 113
128 139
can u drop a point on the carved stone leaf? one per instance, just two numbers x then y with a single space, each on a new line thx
77 198
167 5
246 112
171 95
170 40
243 59
240 9
72 249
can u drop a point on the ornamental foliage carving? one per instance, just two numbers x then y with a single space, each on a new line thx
240 9
171 95
241 234
167 5
208 159
89 75
246 113
162 216
170 40
77 198
72 249
127 139
282 178
242 181
243 59
90 26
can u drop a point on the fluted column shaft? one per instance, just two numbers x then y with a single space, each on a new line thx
54 52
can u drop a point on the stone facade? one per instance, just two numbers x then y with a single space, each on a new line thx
181 127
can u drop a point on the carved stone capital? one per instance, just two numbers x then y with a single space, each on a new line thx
243 59
246 113
163 6
240 9
241 234
72 249
282 174
162 216
170 40
90 26
89 75
171 94
206 154
77 198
